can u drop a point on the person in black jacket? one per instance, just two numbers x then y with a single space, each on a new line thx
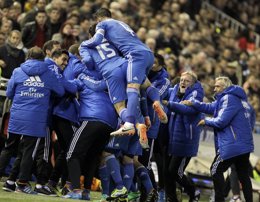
36 33
11 56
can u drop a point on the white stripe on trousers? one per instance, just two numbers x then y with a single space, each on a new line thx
129 68
36 147
215 165
149 166
75 139
47 142
181 167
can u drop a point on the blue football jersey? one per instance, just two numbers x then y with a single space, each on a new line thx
104 55
119 34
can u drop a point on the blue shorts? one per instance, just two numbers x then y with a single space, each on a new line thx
139 64
116 83
124 145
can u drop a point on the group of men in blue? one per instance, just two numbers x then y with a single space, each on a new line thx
117 79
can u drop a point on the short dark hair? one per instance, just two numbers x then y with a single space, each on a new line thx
160 59
74 49
48 45
35 53
59 52
92 29
40 11
103 12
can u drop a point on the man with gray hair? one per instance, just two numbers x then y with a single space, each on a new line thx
232 123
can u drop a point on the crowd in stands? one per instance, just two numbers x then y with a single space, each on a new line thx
186 35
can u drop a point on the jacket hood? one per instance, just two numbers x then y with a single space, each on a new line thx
34 67
234 90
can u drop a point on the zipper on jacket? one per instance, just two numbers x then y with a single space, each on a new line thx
234 135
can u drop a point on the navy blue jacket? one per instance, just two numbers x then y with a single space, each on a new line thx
232 122
184 134
30 89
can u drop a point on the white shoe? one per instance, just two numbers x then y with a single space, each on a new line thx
124 130
235 199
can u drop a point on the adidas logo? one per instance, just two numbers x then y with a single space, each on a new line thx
34 81
135 78
114 98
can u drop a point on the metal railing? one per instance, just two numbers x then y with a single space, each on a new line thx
233 24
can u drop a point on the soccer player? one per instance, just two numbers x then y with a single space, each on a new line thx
112 68
159 78
140 60
98 119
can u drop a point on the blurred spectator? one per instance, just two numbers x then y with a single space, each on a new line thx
6 26
141 33
29 5
151 43
14 13
83 28
73 17
86 9
30 16
168 40
243 57
2 38
65 35
54 20
36 33
10 56
233 71
246 40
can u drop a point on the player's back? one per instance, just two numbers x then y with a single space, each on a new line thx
106 57
121 36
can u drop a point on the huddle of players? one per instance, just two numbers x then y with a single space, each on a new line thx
84 126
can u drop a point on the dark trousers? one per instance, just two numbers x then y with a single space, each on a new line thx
146 158
27 150
161 154
232 182
9 151
39 149
64 130
242 165
42 166
85 149
175 173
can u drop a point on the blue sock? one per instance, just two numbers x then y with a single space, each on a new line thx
132 103
128 175
113 169
153 93
111 185
122 114
104 177
143 175
134 187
